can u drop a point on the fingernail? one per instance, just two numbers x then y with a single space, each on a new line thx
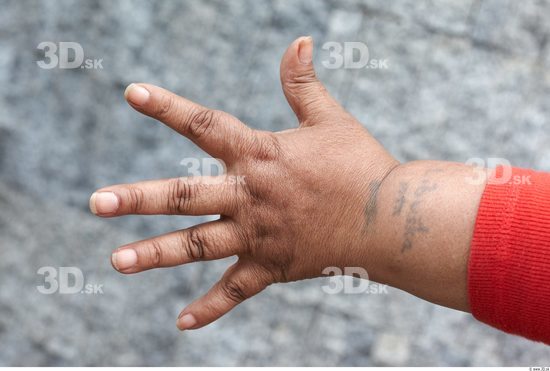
103 203
136 94
186 321
124 259
305 50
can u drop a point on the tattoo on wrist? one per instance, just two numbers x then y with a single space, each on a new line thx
371 208
414 223
400 201
372 204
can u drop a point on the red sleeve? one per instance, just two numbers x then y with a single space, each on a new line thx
509 266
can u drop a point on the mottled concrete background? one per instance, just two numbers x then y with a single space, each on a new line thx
465 79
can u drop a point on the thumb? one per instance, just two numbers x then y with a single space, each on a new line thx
304 92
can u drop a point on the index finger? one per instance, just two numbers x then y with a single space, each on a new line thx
218 133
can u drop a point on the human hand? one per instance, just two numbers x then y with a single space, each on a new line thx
306 203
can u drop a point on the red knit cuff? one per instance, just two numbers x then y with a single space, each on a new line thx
509 266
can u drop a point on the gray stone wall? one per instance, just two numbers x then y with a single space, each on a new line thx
464 79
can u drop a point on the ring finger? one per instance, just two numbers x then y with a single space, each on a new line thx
209 241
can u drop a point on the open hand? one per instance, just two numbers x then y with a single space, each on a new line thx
306 202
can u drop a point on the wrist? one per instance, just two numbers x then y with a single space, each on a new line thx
421 237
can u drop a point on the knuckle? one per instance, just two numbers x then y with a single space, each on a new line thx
233 290
294 79
155 254
201 122
277 272
165 106
243 237
180 195
136 199
269 147
194 245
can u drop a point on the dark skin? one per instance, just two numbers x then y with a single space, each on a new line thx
326 194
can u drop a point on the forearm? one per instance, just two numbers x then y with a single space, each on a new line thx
423 229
